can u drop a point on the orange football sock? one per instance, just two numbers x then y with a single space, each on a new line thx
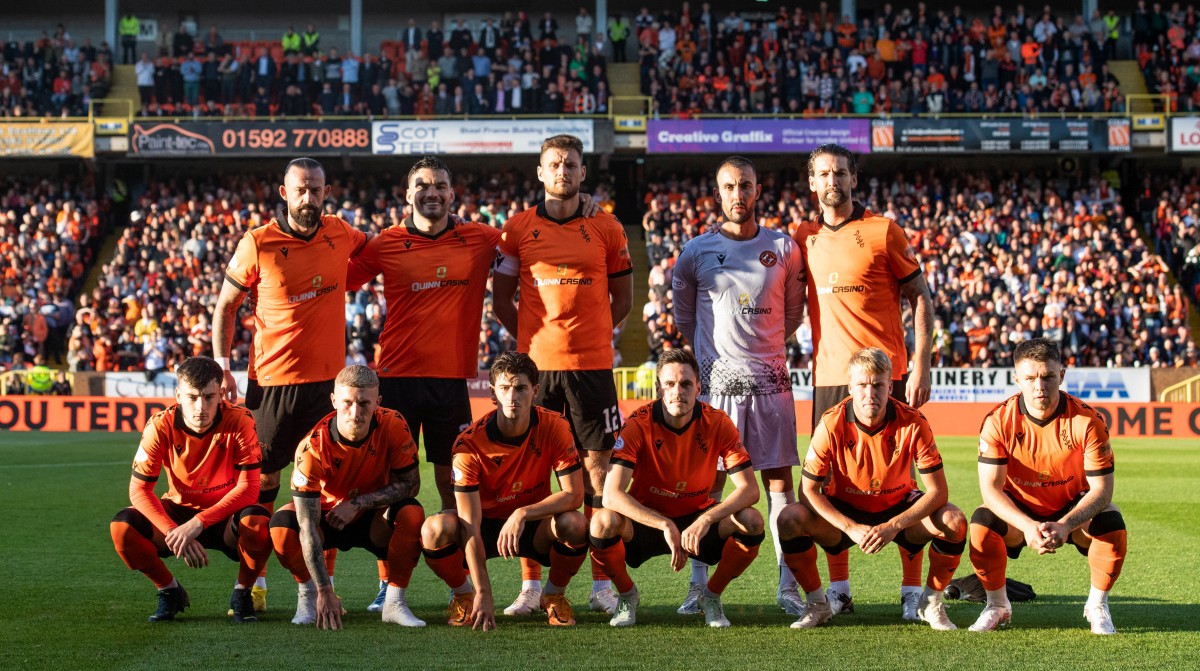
609 555
839 566
565 562
382 566
287 547
739 551
910 565
944 557
1106 556
404 548
254 547
530 569
989 557
139 553
800 556
447 564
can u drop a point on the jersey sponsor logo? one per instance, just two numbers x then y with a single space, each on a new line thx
677 283
562 281
315 293
518 490
874 491
745 307
1046 482
839 289
768 259
680 494
204 489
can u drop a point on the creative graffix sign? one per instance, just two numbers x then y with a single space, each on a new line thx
40 140
391 138
750 136
198 138
947 136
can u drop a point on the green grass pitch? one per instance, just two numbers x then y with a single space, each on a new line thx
69 602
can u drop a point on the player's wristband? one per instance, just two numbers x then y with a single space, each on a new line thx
223 361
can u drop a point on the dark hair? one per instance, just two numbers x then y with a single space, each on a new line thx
303 163
199 371
681 356
1041 350
565 142
832 149
429 163
741 163
513 363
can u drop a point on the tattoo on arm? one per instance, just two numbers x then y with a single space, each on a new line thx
1088 508
308 513
402 485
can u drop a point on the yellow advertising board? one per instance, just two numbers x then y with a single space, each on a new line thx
47 138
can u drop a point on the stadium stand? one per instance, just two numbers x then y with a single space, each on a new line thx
1007 258
53 75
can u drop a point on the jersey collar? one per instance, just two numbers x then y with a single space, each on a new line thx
660 417
288 230
337 438
494 435
182 425
1062 407
860 212
413 230
889 415
544 214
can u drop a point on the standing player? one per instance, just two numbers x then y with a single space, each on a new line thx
859 265
1046 475
502 469
739 292
297 270
354 486
211 454
576 283
435 270
858 490
667 460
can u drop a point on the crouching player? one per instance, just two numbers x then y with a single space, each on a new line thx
656 495
866 446
1046 475
211 454
501 476
354 486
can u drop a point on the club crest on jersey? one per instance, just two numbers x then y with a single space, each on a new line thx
562 270
317 282
441 272
876 483
681 485
768 259
518 486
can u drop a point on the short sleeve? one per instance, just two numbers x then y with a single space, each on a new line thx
993 444
1097 451
733 454
464 472
402 452
628 446
358 239
901 258
566 457
242 270
926 454
617 252
309 471
249 448
817 459
364 265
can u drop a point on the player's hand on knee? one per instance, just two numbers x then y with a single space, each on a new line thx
675 543
194 555
692 535
342 514
878 537
858 534
508 543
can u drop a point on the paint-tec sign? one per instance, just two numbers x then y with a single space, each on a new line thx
1185 134
414 138
993 385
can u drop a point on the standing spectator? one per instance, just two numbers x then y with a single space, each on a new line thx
145 79
584 24
618 33
191 70
128 30
182 42
310 41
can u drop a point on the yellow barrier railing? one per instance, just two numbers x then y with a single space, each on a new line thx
635 383
105 103
1187 391
1147 103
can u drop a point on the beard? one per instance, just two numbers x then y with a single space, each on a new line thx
834 198
305 216
562 193
433 210
740 217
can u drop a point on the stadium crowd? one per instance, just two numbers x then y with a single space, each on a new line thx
1169 207
905 61
53 75
1006 256
50 231
1167 46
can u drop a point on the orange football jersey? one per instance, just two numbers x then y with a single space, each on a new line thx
854 275
511 474
1048 461
299 318
564 317
201 468
673 471
871 471
332 468
434 286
